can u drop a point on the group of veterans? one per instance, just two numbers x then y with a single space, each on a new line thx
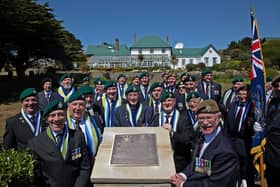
210 132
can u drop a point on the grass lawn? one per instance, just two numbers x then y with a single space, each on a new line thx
7 110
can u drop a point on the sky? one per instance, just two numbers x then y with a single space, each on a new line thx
195 23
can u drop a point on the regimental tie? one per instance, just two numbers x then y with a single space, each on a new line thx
156 107
200 144
238 117
207 90
58 139
48 95
77 124
32 120
167 118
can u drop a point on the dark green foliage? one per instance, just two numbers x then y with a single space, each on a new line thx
29 31
16 168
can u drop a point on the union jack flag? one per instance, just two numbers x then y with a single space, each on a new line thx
257 77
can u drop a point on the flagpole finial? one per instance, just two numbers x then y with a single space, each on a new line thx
251 11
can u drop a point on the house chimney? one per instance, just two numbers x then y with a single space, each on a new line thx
117 45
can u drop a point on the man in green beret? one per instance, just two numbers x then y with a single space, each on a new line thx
156 90
135 80
207 88
193 99
92 109
240 125
121 85
66 88
86 81
190 83
164 76
171 82
61 153
47 94
98 90
78 119
214 160
144 87
181 95
110 102
133 113
230 95
26 124
181 132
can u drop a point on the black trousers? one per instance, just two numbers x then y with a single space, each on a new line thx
272 175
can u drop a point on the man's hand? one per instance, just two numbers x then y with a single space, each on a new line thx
177 180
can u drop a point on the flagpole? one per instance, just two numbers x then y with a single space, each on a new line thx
261 146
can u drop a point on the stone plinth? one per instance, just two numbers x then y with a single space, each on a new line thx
135 156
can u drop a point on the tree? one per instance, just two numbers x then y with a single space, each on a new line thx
29 31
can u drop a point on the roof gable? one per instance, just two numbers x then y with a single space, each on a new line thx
192 52
150 42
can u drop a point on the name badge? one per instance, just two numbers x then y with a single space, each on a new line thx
76 153
203 166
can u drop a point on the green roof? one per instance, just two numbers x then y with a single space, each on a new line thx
150 42
106 49
191 52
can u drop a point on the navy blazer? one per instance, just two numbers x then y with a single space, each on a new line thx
52 170
42 101
122 117
18 132
216 91
224 165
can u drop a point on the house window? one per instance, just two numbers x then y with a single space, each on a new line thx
206 60
183 62
214 60
162 50
140 51
191 61
152 51
210 51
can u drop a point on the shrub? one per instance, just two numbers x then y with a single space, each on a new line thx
16 168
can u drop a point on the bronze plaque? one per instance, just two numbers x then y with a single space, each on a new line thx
135 150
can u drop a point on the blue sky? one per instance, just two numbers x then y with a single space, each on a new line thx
196 23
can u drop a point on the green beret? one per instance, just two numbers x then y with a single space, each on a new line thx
192 95
237 79
121 75
275 80
109 83
85 79
166 95
190 78
98 81
180 83
27 92
64 76
86 90
54 105
208 106
131 88
183 74
143 74
268 78
172 75
206 71
155 85
76 96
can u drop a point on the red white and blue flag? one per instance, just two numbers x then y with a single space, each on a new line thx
257 77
